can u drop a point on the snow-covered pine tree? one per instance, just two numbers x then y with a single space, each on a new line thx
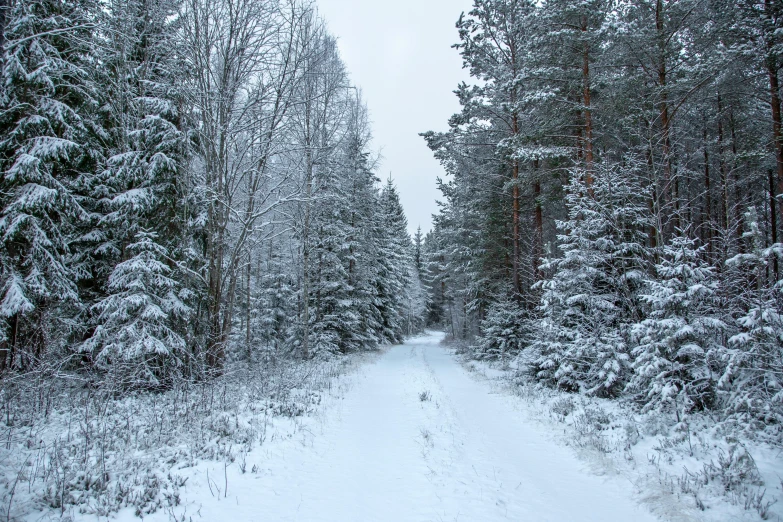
335 319
567 44
134 340
751 385
505 331
590 301
137 187
359 182
495 39
394 261
434 277
679 343
136 191
47 155
418 253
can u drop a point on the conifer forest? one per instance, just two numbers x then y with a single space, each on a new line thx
212 308
613 207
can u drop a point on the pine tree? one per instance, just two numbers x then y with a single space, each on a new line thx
134 339
47 155
750 386
394 260
679 343
661 98
505 331
136 191
494 44
590 301
567 48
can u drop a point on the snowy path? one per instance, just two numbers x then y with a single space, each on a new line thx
386 455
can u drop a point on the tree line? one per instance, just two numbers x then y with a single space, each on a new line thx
612 209
187 183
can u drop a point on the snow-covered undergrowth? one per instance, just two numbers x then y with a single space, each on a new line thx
696 469
67 449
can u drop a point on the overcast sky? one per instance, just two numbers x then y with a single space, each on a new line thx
399 53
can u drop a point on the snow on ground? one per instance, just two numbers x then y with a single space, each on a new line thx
690 471
415 437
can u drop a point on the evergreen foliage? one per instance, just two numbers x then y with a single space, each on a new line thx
750 382
591 299
611 211
504 331
159 221
679 344
47 155
134 339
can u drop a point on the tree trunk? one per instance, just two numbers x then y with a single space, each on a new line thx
588 115
774 91
652 204
214 355
723 175
515 233
306 260
663 104
737 193
3 21
707 219
8 351
247 310
538 250
515 213
773 219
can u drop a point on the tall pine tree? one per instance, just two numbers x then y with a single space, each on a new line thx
48 153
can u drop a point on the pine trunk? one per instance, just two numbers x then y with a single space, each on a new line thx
665 120
588 115
538 250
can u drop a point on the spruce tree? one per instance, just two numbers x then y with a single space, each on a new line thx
48 154
750 386
134 339
418 244
433 278
394 260
136 191
335 318
590 301
678 345
504 330
363 241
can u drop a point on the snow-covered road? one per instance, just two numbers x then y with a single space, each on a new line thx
418 438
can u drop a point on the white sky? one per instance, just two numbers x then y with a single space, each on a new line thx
399 54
